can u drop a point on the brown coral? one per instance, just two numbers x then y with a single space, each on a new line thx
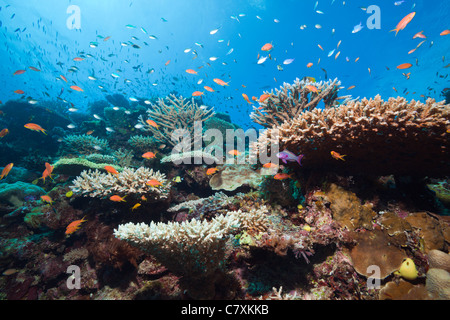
380 137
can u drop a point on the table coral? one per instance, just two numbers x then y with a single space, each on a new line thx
380 137
128 181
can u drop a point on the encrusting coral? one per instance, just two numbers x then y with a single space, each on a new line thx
128 181
383 137
174 113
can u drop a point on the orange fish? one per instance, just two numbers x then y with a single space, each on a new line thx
49 167
220 82
320 47
254 98
74 226
111 169
149 155
4 132
35 69
282 176
208 89
47 199
406 75
78 59
117 198
6 170
35 127
337 156
351 87
356 60
246 98
62 77
211 171
404 66
152 123
19 91
270 165
404 22
190 71
45 174
445 32
19 72
76 88
154 183
197 93
167 63
267 47
107 38
234 153
309 65
90 132
264 97
311 88
419 35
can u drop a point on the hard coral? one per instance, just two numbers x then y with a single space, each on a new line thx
405 138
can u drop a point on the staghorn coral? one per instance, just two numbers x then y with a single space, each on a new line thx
383 137
291 100
173 114
84 144
128 181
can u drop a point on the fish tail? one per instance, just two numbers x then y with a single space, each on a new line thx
299 159
396 31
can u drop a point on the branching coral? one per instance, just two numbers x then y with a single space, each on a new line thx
173 114
291 100
383 137
142 144
129 181
84 144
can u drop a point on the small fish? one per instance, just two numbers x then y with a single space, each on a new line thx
445 32
69 194
287 156
76 88
19 91
19 72
246 98
137 205
351 87
331 53
152 123
35 127
262 60
357 28
234 153
211 171
270 165
337 156
220 82
404 66
47 199
214 31
403 23
197 93
177 179
288 61
117 198
111 169
71 126
309 65
74 226
149 155
4 132
312 88
267 47
6 170
282 176
109 129
154 183
419 35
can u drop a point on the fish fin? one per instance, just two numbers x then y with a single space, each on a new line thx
299 159
396 31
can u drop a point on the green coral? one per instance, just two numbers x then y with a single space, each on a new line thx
74 166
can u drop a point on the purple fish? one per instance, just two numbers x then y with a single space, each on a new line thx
286 156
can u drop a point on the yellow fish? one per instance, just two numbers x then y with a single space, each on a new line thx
137 205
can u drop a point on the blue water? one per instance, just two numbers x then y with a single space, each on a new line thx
37 35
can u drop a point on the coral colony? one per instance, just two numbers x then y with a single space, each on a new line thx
166 198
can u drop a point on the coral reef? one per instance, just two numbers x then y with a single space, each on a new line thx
192 157
231 177
128 181
74 166
405 138
174 113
